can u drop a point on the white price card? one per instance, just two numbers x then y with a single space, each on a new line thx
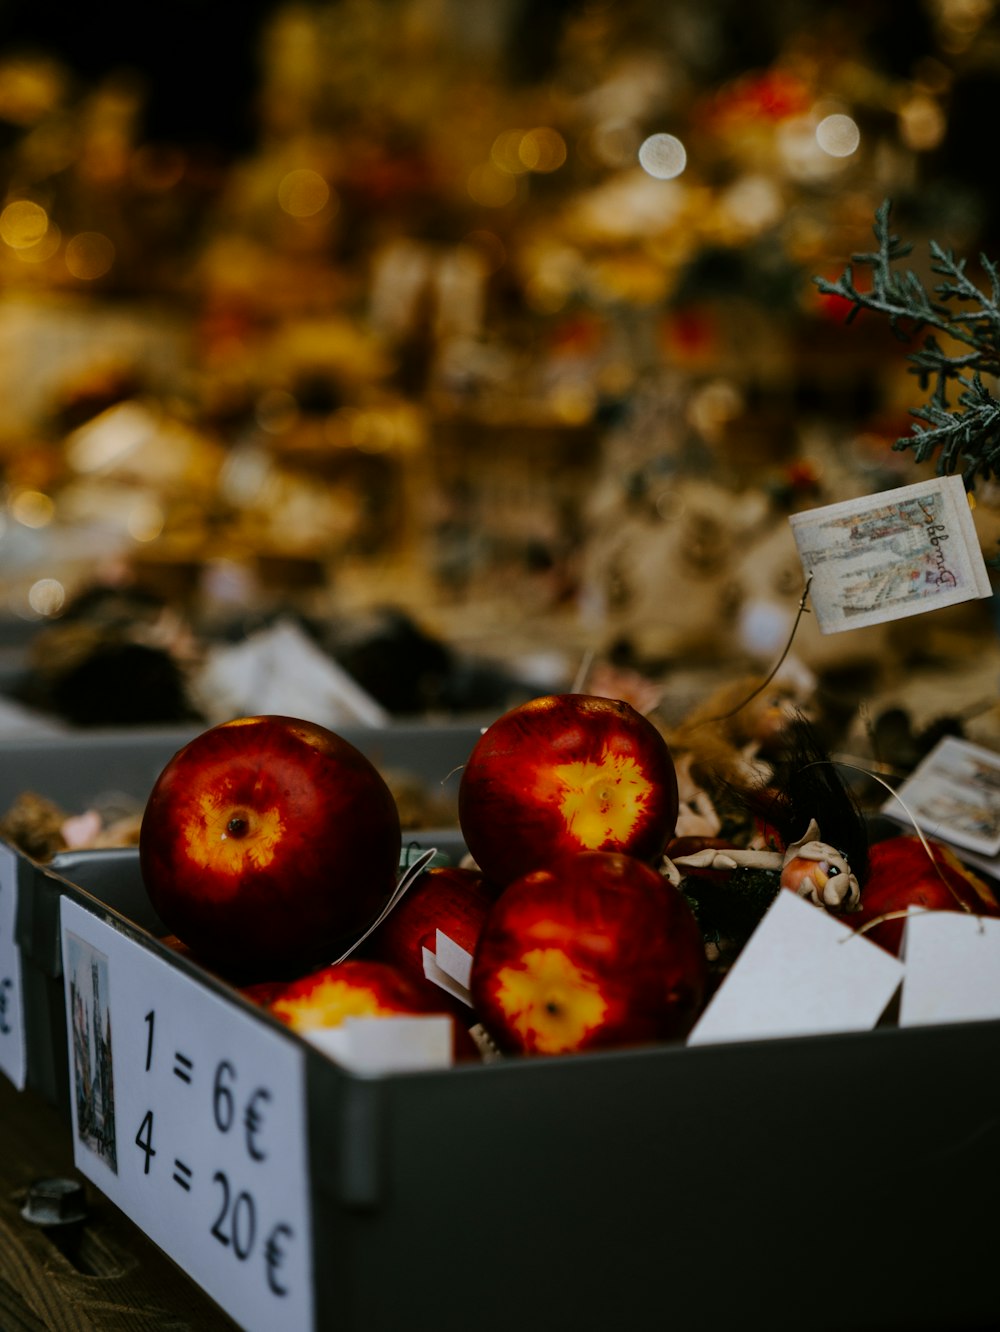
190 1116
801 973
12 1053
892 554
952 968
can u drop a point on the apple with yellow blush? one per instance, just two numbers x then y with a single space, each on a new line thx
268 844
596 950
566 773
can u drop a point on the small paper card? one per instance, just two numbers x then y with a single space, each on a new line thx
953 794
802 972
12 1052
450 967
952 968
889 555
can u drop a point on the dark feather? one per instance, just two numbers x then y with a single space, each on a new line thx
806 784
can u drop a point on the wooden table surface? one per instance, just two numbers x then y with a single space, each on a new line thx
109 1277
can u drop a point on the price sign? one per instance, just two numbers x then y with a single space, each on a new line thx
12 1059
190 1116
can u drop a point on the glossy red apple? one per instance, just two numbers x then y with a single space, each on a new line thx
359 988
566 773
597 950
901 874
449 898
267 843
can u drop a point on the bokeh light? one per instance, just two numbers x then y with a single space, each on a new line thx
31 508
47 596
303 193
23 223
542 150
145 521
663 156
43 249
89 255
838 135
922 123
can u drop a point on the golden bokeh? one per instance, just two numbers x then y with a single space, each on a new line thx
145 521
542 150
303 193
505 153
42 249
23 223
32 508
89 255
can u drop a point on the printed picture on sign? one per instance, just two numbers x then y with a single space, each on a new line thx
93 1072
955 794
884 556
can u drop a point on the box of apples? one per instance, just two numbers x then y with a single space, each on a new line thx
573 1163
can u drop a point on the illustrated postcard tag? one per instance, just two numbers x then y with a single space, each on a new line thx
885 556
954 794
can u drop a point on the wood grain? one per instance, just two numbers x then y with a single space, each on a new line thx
108 1277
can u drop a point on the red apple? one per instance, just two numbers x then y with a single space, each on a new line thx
267 843
566 773
597 950
354 988
449 898
901 874
359 988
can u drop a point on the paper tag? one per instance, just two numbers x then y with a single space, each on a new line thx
952 968
886 556
12 1044
802 972
954 794
376 1045
189 1114
450 967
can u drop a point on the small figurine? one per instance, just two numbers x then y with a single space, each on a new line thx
810 867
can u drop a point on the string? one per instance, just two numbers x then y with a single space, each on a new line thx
725 716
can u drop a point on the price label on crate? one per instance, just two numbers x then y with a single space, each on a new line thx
190 1116
12 1057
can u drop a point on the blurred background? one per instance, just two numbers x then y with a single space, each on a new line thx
471 346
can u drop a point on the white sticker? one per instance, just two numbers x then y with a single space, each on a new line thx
802 972
12 1044
190 1116
952 968
892 554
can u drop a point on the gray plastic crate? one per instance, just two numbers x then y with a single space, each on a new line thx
829 1183
75 769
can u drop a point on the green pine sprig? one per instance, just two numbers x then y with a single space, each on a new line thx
960 422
